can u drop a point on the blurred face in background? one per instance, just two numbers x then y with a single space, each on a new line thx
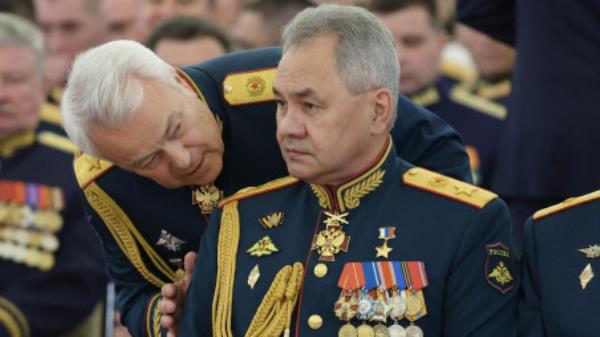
69 27
493 59
185 52
419 44
156 11
21 89
250 31
123 19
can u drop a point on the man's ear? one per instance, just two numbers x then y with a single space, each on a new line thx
382 111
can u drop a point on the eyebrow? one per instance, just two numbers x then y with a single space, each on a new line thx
306 92
170 121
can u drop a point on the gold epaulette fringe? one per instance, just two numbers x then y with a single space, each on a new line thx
448 187
256 190
274 315
566 204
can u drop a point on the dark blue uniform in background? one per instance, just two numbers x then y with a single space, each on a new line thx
548 150
457 234
561 254
478 121
52 272
147 229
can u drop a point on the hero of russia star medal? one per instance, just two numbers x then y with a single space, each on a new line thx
385 234
264 246
332 239
587 274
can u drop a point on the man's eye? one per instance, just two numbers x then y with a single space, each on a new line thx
310 106
176 131
152 162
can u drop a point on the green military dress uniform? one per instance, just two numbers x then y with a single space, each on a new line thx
297 259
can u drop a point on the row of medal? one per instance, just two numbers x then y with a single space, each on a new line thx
25 216
375 291
36 195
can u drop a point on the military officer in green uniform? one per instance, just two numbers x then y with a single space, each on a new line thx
146 228
561 259
357 242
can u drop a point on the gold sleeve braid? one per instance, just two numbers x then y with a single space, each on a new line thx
125 234
229 237
13 319
153 316
274 314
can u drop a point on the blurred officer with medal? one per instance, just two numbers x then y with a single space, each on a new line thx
51 267
180 139
356 242
561 261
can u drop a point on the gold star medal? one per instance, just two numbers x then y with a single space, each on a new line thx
263 247
587 274
385 234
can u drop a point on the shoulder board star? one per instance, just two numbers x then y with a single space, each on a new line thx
88 168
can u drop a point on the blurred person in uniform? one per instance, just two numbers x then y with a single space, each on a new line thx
184 40
260 22
124 19
494 61
69 27
419 42
561 256
546 153
53 274
355 230
196 134
157 11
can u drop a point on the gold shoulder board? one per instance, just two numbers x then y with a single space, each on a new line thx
448 187
568 203
249 87
88 168
56 141
50 113
458 72
256 190
461 95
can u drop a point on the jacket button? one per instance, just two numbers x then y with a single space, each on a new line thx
315 321
320 270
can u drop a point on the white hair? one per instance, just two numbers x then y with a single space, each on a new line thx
104 87
15 30
366 54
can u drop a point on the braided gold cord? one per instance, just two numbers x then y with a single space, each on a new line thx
229 236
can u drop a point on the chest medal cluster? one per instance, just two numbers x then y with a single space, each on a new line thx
373 292
29 222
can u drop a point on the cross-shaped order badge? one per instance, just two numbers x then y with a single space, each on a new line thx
385 234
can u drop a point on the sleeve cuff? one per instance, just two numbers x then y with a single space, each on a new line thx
12 320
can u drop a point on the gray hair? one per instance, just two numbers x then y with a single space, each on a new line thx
104 87
15 30
366 54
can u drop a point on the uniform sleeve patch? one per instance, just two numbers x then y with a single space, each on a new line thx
498 273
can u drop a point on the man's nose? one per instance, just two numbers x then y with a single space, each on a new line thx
179 156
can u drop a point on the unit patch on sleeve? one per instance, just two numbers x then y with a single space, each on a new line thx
498 267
